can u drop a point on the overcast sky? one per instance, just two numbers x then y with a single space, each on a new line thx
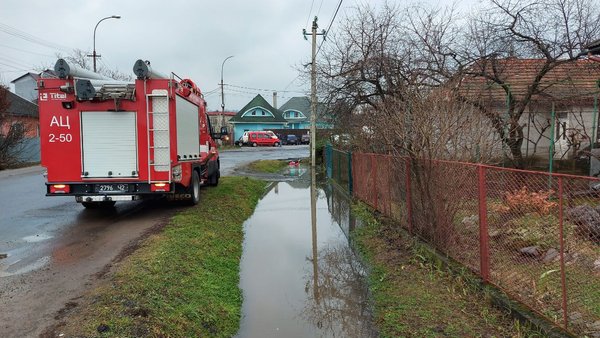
190 38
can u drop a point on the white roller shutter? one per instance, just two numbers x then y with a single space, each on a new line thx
109 144
188 131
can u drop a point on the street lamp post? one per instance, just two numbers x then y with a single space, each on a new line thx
94 55
223 93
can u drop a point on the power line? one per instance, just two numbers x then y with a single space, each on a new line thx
13 61
26 51
310 12
13 67
31 38
289 84
330 24
232 90
264 90
319 10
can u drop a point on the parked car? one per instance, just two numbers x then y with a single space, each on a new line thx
305 139
260 138
239 142
291 139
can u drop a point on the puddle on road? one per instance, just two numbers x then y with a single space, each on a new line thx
37 238
287 293
20 267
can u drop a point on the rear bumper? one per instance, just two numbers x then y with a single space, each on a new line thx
106 198
99 190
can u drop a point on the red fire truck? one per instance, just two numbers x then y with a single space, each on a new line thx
104 140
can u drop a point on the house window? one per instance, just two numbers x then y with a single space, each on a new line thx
263 113
296 114
18 128
253 112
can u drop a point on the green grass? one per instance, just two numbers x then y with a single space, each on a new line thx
182 282
415 296
268 166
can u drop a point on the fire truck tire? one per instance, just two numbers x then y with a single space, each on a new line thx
98 205
276 144
254 144
213 180
194 189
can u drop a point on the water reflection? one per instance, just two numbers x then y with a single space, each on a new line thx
298 275
339 305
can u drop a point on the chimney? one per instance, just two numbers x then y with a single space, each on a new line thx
275 100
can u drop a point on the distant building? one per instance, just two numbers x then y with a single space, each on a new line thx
258 114
568 92
24 115
219 119
26 86
295 114
21 112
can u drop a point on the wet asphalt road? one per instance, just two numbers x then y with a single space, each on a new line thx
238 157
55 248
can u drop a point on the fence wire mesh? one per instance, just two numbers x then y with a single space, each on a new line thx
534 235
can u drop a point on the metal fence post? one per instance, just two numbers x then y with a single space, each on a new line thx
350 179
389 186
339 166
408 197
563 278
328 159
484 249
374 178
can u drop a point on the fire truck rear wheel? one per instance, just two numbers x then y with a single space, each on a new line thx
254 144
194 189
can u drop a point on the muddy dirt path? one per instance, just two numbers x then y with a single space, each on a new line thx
39 293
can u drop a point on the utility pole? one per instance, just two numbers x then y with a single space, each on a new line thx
313 92
313 138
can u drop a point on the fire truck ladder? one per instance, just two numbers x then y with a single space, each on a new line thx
159 149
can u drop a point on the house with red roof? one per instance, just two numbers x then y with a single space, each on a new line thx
569 92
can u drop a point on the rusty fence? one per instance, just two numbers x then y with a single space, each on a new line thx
534 235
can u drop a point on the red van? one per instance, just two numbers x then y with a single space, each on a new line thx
261 138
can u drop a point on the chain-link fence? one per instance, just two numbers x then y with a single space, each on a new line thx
534 235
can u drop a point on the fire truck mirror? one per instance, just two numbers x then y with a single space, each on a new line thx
214 135
224 131
84 90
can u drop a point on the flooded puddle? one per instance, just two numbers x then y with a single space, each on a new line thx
301 279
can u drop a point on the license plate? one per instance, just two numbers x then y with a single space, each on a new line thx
117 187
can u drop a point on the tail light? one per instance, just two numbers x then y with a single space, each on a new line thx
60 189
160 186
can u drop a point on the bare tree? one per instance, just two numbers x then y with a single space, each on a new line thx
551 32
11 134
81 59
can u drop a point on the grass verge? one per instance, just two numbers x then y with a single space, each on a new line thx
182 282
268 166
414 296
